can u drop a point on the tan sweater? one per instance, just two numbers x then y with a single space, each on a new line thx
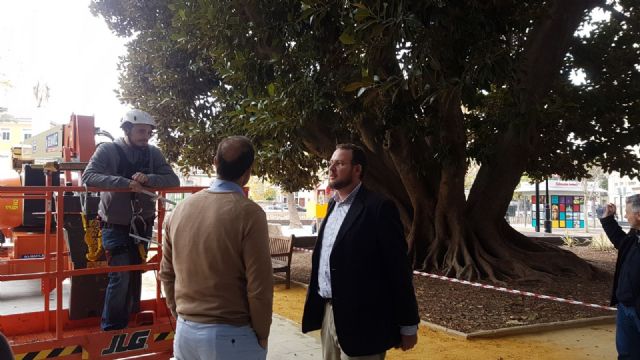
216 266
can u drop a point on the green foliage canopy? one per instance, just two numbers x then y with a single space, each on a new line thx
299 76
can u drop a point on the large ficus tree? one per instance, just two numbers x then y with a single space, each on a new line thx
425 86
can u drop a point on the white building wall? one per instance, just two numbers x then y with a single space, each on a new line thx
621 187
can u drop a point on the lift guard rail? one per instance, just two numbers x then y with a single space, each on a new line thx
52 278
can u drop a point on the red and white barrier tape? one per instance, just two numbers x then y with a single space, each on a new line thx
512 291
498 288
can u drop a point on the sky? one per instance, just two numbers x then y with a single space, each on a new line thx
60 44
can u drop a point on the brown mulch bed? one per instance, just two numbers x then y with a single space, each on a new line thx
467 308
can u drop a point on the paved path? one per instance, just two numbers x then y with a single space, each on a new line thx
586 342
22 296
287 342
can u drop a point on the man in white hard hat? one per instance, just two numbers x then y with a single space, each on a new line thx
129 162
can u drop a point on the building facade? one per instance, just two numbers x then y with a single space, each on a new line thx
620 187
13 131
570 202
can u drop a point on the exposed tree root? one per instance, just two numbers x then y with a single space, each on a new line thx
501 256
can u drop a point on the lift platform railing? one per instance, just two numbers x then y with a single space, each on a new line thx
53 278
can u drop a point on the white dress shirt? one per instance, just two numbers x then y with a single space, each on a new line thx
331 228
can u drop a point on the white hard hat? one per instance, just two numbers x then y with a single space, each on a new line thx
136 116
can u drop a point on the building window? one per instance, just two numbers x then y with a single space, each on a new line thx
26 134
6 134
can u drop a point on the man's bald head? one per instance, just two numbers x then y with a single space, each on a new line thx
234 157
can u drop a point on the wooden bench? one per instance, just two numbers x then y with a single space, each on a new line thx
281 248
305 242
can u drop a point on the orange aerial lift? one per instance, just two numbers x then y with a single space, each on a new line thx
22 215
56 333
52 248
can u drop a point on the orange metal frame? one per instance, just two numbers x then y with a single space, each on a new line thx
51 332
18 260
77 145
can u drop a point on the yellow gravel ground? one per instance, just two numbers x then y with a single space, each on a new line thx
591 342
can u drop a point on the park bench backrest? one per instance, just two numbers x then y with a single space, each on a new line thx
281 249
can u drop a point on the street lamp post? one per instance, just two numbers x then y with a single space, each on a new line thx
622 191
537 207
547 208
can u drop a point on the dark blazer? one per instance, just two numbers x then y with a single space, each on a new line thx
371 279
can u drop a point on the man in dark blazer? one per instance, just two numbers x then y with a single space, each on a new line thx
361 292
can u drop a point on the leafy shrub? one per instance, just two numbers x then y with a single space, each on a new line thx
601 242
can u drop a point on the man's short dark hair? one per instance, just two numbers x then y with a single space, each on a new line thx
358 156
235 155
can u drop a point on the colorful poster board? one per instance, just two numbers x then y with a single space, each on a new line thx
566 211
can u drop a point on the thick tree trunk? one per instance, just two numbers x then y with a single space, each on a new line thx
294 218
469 238
448 251
480 244
422 190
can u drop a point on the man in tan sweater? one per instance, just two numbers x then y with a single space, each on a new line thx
216 268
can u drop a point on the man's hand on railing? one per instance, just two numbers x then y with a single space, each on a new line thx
135 186
142 178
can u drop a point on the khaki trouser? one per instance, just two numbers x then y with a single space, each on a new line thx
330 346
